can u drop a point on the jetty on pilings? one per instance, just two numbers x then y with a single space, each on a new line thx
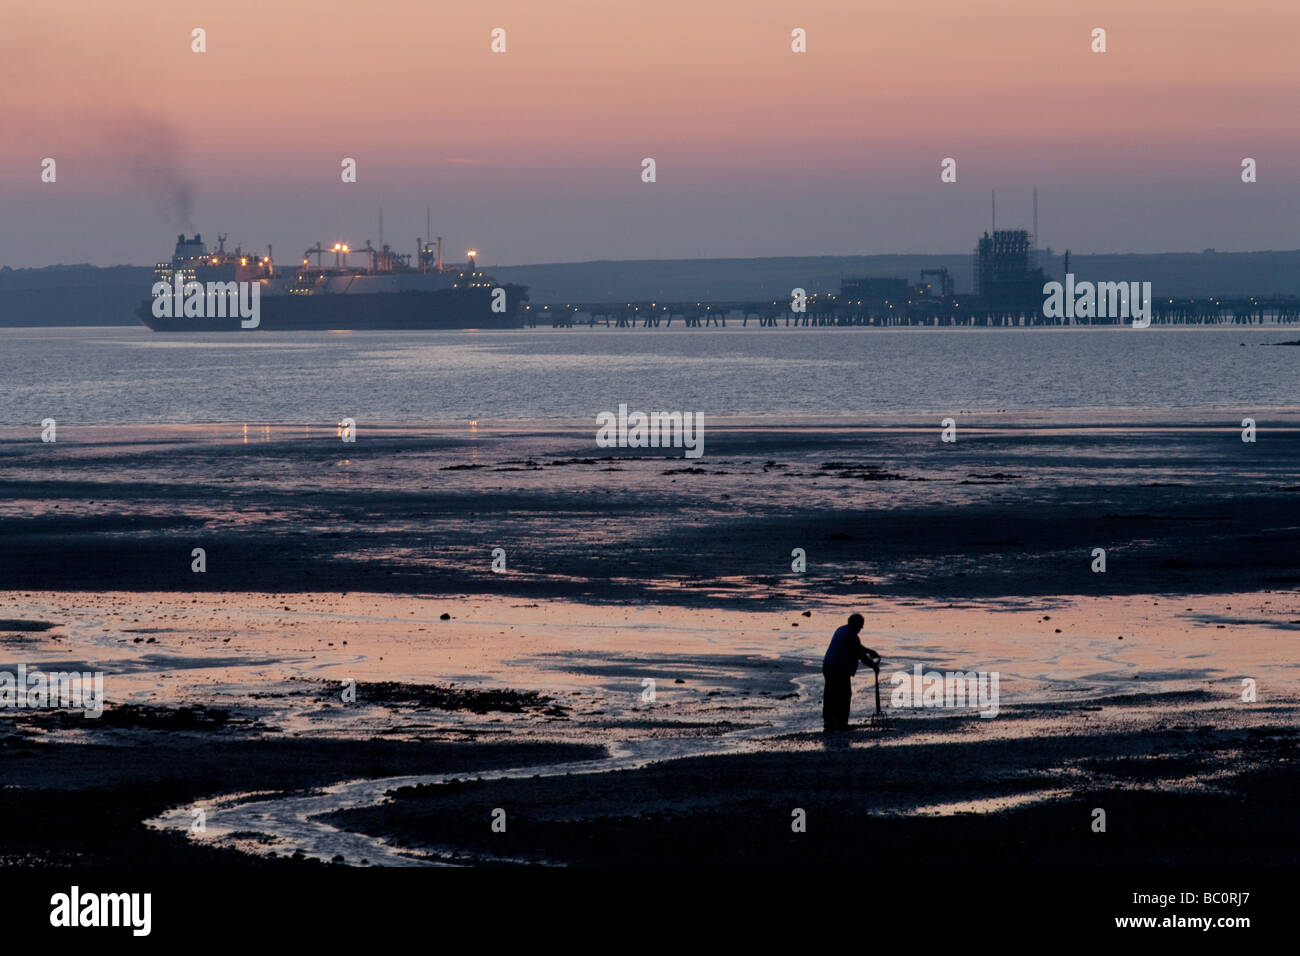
954 311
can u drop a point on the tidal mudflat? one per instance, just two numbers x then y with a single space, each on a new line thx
350 680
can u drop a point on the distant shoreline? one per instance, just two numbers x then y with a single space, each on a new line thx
733 322
93 295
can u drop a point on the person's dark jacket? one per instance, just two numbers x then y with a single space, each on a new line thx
846 652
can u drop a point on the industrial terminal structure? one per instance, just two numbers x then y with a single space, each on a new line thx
1008 291
1007 275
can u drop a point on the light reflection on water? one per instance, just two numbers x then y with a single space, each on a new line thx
124 375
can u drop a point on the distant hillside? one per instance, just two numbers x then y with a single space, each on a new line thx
72 295
715 279
1192 274
87 295
1174 274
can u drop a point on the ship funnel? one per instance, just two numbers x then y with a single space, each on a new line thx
189 248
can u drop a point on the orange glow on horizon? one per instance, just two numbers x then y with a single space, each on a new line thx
759 150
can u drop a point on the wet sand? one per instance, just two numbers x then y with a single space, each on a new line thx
1012 508
328 564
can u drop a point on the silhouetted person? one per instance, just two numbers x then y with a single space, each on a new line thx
839 666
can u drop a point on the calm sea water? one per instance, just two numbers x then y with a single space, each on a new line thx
131 375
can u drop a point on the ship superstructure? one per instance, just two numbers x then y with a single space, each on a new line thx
335 286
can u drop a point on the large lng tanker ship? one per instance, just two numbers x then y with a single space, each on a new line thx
386 291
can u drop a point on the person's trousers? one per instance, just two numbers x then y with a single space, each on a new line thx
835 702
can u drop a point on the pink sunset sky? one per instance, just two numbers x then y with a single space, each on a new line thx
534 155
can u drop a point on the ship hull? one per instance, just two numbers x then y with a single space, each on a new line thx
392 311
